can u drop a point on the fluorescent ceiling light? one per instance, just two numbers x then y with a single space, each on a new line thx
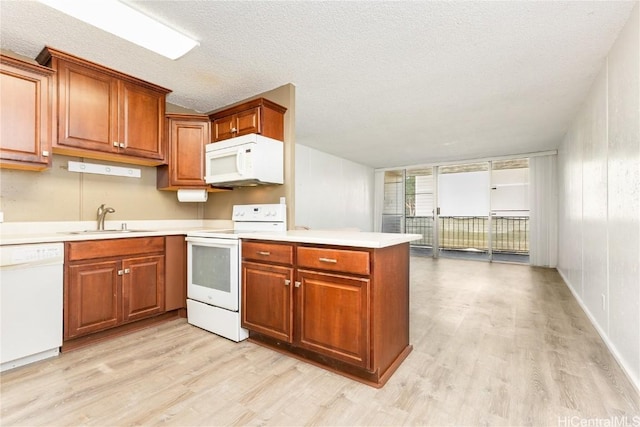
125 22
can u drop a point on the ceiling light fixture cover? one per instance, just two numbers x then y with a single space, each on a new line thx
123 21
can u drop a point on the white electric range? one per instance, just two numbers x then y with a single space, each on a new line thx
214 266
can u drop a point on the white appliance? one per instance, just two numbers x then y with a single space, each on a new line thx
245 160
30 303
214 269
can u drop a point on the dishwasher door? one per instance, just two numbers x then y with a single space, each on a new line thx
31 286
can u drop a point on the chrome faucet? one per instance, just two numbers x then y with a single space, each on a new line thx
102 213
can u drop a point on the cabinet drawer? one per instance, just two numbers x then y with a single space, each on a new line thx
90 249
346 261
271 252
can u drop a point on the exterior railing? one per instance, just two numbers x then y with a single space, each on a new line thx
510 234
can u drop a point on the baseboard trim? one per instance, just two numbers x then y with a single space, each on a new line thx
612 348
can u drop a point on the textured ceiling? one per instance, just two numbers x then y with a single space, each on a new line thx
380 83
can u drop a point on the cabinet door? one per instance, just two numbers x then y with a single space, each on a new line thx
186 161
142 287
88 108
141 116
91 294
332 316
224 128
248 122
25 117
266 300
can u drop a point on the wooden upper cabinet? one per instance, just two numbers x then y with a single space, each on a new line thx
186 137
141 117
105 114
256 116
224 128
87 108
26 114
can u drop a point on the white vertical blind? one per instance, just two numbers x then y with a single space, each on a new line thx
378 200
543 193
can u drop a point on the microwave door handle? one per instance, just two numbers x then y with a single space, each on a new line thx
239 161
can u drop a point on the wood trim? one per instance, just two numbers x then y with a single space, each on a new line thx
94 249
375 379
175 268
258 102
48 53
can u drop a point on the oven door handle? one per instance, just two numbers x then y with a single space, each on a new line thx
212 241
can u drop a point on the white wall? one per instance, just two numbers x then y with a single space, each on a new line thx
599 212
332 192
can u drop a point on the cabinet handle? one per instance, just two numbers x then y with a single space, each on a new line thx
298 284
115 144
265 253
120 272
287 282
45 153
234 130
127 271
329 260
122 145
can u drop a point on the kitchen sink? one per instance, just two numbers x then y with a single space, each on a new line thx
114 231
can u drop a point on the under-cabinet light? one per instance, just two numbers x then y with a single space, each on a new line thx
123 21
103 169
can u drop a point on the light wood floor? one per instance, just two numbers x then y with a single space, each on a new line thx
494 344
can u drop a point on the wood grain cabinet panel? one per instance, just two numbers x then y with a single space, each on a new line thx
266 299
92 298
186 137
350 306
333 316
87 108
268 252
255 116
108 283
105 114
26 114
175 273
142 287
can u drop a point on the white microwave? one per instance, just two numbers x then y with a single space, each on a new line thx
244 161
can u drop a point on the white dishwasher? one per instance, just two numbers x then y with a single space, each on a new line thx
31 278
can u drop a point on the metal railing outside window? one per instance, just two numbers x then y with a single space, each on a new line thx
509 235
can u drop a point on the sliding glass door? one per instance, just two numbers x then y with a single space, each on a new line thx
420 200
474 211
463 219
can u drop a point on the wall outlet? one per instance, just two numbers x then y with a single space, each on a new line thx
604 302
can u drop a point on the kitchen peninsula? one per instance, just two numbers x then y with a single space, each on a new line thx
337 299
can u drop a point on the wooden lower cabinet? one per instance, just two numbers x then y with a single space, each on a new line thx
333 316
142 287
346 310
267 297
92 298
110 283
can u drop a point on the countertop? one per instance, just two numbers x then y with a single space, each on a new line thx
49 232
359 239
65 231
